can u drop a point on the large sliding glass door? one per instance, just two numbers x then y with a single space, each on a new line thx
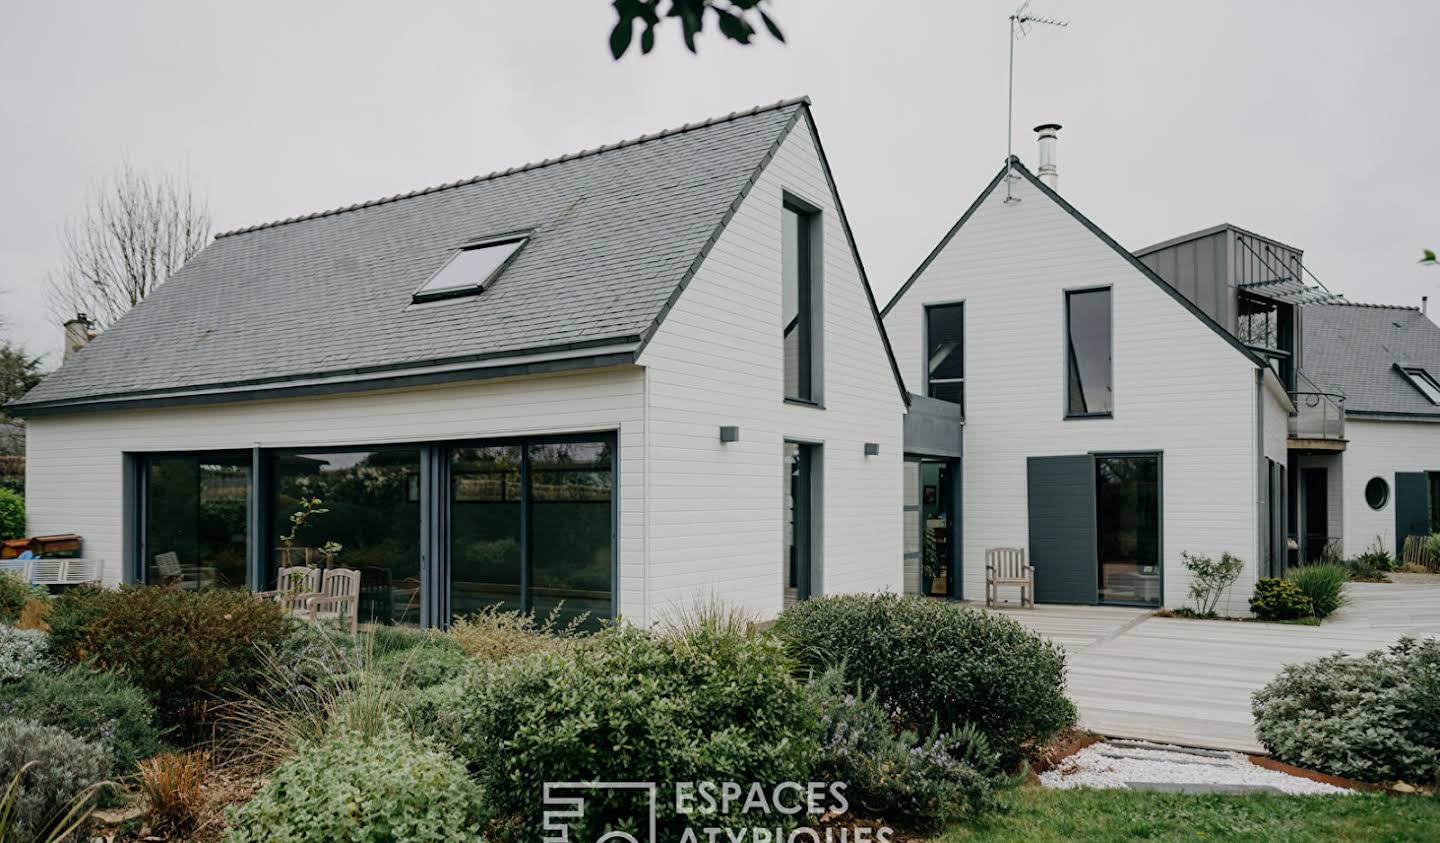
368 503
1127 527
195 509
435 530
532 528
486 528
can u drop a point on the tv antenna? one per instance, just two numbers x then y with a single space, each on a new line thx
1021 21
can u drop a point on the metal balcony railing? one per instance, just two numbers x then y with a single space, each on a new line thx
1318 415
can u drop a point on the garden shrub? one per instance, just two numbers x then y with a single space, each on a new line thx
491 634
1374 717
100 707
185 649
22 652
426 665
923 783
12 514
64 768
1209 580
15 592
382 789
930 662
1280 600
1325 585
626 705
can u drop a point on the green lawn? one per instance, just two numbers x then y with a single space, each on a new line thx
1036 815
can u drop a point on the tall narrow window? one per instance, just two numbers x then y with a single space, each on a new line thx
799 302
799 484
945 352
1090 390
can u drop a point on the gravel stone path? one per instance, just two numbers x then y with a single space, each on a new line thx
1139 765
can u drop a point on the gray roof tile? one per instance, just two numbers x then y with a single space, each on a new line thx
1354 348
615 229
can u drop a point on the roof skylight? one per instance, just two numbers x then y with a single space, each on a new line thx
470 270
1424 382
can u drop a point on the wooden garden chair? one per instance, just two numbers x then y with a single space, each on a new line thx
293 586
1005 566
338 600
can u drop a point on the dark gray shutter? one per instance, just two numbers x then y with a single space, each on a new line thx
1062 528
1412 506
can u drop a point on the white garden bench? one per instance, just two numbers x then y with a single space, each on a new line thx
56 571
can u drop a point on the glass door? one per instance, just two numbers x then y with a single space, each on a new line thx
1127 527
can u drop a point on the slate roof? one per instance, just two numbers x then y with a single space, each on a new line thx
1354 349
324 298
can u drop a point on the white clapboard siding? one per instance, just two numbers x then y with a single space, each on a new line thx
73 466
714 510
1179 387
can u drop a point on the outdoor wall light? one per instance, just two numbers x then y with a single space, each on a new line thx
729 433
872 449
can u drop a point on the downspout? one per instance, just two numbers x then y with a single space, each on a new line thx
1262 484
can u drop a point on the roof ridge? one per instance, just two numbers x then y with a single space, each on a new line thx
526 167
1348 303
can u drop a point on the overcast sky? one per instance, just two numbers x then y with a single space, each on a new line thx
1315 123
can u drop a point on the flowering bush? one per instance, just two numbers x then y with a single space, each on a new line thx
922 782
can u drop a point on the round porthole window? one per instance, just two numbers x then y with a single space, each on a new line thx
1377 493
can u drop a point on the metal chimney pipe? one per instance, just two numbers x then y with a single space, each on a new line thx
1048 173
1424 305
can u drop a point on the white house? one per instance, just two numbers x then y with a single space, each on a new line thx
1110 422
1381 364
622 379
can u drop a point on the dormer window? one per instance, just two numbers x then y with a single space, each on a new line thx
1423 381
470 270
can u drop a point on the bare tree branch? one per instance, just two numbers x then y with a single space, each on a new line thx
137 230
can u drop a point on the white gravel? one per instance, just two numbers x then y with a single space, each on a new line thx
1137 765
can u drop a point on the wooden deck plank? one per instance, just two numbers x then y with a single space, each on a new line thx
1134 675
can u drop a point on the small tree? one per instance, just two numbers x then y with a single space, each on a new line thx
1209 580
137 230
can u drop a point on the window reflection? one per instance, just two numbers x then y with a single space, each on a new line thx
195 520
371 503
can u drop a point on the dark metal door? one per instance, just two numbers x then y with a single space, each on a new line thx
1062 528
1412 506
1315 498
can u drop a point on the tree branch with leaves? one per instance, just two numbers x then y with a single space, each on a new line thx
137 230
733 17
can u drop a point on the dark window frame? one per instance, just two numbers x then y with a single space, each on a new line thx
1384 494
421 295
809 305
807 575
925 344
1159 456
1418 375
448 447
1068 348
136 505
